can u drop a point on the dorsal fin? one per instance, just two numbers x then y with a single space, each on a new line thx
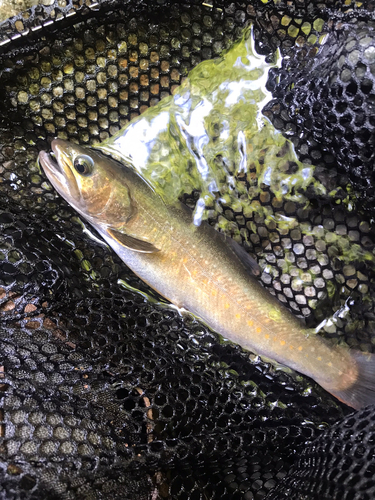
132 243
250 263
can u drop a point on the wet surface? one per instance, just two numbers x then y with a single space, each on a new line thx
103 391
9 8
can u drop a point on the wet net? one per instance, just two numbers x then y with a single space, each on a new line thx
107 392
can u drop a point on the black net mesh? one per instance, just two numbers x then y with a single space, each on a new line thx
106 393
339 464
325 103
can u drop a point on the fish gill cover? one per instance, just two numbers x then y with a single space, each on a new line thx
105 392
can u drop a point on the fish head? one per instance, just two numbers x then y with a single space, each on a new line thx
91 183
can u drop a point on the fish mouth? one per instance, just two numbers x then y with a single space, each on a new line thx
58 170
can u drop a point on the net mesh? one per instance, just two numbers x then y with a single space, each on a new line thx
105 392
346 449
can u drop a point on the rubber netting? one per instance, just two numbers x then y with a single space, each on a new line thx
105 393
346 450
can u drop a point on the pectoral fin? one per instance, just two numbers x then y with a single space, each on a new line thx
132 243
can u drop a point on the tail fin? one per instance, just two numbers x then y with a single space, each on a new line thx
362 392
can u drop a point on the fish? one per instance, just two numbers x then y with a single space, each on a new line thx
198 269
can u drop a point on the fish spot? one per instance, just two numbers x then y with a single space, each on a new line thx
266 336
227 305
282 342
258 330
238 316
214 292
329 364
291 347
319 358
300 348
250 322
194 272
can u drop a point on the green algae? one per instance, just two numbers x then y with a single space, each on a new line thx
211 136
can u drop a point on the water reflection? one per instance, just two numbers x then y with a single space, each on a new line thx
211 134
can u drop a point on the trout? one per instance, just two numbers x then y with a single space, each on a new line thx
199 270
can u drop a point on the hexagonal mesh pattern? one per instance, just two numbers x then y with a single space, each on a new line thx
338 117
105 393
351 474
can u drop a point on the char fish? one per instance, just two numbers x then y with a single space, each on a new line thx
197 269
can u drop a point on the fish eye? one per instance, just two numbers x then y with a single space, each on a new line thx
83 164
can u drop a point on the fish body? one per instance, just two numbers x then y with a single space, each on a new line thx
198 269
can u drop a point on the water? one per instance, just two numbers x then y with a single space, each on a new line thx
211 136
